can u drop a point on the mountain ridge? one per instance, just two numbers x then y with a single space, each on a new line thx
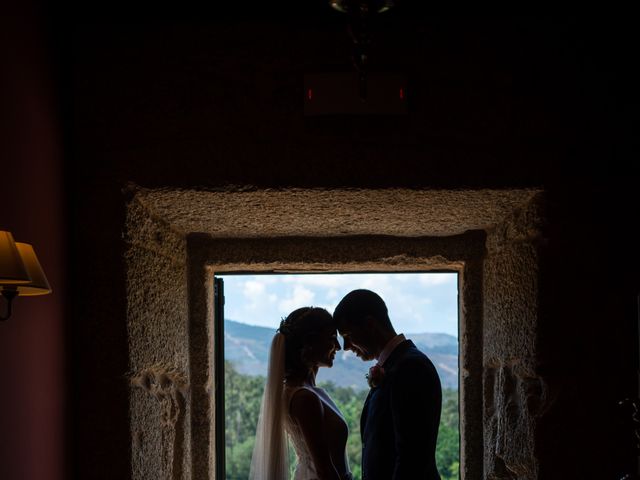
247 347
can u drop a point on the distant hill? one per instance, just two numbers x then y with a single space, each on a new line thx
247 347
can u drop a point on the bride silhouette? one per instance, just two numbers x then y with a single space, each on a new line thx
293 405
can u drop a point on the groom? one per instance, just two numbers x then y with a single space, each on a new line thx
400 418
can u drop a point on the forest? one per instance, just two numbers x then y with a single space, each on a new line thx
243 394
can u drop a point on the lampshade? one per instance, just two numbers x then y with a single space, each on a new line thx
13 271
39 284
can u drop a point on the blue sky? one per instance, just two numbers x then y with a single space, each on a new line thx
417 302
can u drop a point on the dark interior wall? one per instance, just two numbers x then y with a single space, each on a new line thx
32 398
494 102
588 336
185 98
513 101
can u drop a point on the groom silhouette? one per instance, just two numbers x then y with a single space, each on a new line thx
401 415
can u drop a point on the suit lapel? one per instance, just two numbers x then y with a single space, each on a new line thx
388 365
363 416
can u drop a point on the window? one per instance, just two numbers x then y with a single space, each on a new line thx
424 306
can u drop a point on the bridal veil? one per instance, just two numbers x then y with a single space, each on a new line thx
270 460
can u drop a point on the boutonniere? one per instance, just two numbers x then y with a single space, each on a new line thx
375 376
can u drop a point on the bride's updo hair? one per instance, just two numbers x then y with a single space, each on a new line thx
299 329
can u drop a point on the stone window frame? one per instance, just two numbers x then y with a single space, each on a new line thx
176 240
461 254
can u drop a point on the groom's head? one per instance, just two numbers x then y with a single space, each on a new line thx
363 321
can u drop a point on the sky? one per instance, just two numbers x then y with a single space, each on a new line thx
417 302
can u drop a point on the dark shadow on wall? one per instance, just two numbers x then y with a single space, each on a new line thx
497 103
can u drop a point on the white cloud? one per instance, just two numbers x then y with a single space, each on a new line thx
332 295
250 300
416 302
253 288
438 279
299 297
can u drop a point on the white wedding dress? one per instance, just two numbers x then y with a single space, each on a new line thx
305 469
270 457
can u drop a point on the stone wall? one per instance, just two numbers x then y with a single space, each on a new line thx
505 395
158 348
172 405
514 392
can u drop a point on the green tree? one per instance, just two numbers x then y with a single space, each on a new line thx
448 447
243 394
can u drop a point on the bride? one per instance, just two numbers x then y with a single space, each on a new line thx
292 404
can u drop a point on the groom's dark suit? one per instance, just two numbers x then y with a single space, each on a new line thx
400 419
